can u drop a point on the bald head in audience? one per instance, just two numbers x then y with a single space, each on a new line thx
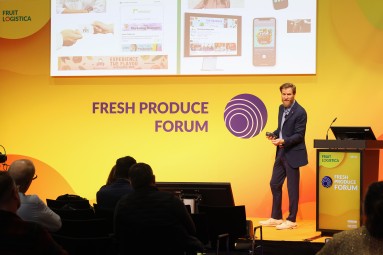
32 208
22 171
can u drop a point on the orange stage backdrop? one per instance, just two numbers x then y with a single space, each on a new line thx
50 120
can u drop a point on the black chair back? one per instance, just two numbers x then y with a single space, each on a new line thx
202 228
96 227
62 204
75 214
75 209
105 213
229 220
86 245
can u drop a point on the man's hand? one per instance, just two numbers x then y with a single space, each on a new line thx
278 142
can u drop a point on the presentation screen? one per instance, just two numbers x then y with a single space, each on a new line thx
338 190
182 37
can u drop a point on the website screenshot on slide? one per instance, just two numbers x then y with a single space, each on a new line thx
182 37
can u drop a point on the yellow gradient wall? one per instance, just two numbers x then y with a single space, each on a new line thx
50 120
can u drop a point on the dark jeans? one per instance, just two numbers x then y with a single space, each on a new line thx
281 170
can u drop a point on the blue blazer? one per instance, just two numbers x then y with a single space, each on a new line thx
294 130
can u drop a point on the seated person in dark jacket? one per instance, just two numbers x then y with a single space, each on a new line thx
149 221
16 235
109 194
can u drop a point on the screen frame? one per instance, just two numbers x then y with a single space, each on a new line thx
353 133
188 15
99 54
205 193
264 55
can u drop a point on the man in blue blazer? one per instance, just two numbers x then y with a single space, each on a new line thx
291 154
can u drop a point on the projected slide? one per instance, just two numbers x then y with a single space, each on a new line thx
182 37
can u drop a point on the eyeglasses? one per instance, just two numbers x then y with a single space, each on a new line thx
34 177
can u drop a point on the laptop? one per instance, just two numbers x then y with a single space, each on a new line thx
353 133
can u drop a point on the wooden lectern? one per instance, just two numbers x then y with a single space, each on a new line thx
367 169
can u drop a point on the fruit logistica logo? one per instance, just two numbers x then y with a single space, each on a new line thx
245 116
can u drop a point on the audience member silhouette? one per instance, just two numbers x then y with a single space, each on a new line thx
32 207
108 195
367 239
149 221
111 176
16 235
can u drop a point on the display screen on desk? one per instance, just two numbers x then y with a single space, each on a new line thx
338 190
183 37
353 133
204 193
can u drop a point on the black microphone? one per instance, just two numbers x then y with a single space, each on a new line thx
330 127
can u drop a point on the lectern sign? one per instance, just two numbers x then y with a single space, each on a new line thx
338 190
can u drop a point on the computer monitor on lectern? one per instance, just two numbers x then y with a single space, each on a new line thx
353 133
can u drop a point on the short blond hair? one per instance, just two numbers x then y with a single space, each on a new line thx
288 85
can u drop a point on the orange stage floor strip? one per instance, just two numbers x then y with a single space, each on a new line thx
305 231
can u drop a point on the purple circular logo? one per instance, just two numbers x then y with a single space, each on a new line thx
245 116
327 182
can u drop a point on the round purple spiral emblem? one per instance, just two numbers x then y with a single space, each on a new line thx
245 116
327 182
